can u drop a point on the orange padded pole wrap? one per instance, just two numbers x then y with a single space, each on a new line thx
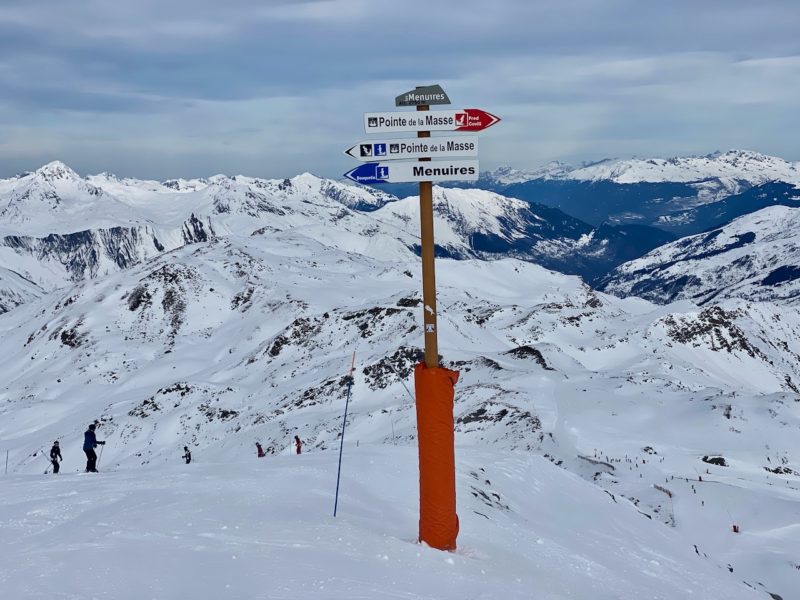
438 522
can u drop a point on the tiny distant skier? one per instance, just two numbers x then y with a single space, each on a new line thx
298 444
89 444
187 456
260 450
55 456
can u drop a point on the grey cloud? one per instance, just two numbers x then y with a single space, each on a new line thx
153 66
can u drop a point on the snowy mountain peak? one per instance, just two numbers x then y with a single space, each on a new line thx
747 166
733 170
507 175
184 185
43 193
736 155
218 315
56 170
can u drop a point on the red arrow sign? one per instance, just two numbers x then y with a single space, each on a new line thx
461 119
474 119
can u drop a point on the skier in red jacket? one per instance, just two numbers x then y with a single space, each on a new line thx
260 450
298 444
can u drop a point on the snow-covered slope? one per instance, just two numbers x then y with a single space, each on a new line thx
55 199
16 290
226 527
723 211
57 228
506 175
746 166
473 223
239 339
680 194
755 257
81 237
233 316
461 215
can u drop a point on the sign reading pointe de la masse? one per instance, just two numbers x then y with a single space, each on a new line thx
394 160
465 119
413 148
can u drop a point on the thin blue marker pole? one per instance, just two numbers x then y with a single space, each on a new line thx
344 424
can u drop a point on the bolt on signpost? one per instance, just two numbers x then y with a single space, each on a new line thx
434 385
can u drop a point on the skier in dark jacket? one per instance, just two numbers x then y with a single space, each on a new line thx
298 445
187 456
260 450
55 456
90 442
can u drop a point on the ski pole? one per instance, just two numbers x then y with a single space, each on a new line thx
6 462
344 424
403 383
101 455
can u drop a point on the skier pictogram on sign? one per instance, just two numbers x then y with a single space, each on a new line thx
451 146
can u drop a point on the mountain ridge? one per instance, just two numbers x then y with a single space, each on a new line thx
748 166
101 223
248 338
247 333
754 257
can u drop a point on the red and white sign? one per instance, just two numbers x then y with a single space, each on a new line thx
463 119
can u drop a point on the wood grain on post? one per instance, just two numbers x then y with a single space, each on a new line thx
428 264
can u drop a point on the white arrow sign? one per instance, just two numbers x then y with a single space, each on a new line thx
462 119
440 147
401 172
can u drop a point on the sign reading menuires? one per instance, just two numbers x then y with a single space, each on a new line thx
387 159
399 172
428 94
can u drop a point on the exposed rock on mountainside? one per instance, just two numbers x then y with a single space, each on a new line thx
238 338
756 257
102 223
16 289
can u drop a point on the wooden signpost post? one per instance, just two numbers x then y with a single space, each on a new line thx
434 385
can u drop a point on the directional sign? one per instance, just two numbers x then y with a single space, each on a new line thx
429 94
400 172
464 119
439 147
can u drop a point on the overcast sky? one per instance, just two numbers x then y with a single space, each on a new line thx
272 88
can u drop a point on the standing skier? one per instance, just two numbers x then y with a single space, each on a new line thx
89 444
55 456
298 444
260 450
187 456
